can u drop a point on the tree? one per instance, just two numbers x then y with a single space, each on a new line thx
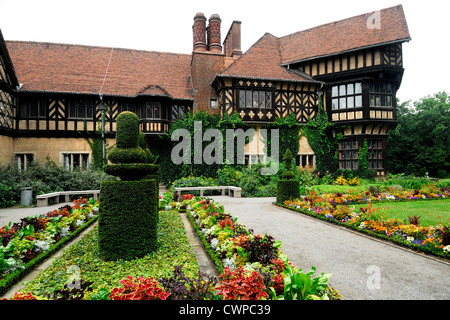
421 141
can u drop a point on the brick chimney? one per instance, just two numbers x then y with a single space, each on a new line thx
213 34
232 43
199 32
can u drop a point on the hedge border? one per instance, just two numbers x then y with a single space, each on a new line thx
212 254
13 278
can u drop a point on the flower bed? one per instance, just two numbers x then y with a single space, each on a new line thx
247 260
252 266
335 208
27 243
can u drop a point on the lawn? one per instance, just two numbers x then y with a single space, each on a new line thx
431 213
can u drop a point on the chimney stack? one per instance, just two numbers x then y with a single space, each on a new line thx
213 34
199 32
232 43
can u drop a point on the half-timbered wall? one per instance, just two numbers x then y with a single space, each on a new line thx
262 101
7 99
69 114
390 55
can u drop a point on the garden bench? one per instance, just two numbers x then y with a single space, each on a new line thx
232 191
54 197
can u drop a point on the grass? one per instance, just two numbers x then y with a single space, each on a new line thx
81 261
431 212
326 188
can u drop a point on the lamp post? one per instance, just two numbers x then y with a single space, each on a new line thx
102 107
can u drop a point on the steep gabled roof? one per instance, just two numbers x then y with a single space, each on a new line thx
50 67
263 61
346 35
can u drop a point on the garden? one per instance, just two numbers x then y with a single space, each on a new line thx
110 262
139 250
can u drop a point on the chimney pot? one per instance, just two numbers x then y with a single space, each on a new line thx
199 32
213 34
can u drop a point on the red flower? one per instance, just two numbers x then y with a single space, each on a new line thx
143 289
242 285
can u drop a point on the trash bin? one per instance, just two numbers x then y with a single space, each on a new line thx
26 195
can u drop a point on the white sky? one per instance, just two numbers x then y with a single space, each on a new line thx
167 26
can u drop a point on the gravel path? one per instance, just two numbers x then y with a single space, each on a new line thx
363 268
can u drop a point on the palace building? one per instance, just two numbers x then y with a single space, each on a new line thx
49 92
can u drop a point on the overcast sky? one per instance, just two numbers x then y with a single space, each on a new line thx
167 26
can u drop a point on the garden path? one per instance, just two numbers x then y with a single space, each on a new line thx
363 268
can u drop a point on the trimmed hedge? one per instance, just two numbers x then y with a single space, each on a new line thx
128 219
287 190
127 133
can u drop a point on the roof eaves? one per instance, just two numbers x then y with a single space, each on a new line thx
345 51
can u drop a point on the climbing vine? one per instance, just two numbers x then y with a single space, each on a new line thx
323 137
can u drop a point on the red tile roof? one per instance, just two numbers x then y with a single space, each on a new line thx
345 35
262 61
49 67
81 69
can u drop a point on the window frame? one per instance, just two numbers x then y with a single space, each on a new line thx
249 99
375 95
83 164
351 146
340 95
23 164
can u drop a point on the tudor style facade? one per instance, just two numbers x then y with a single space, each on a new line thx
50 92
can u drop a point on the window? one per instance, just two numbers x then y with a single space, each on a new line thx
375 148
152 110
305 160
213 104
33 108
381 94
348 155
255 99
80 109
24 160
346 96
178 112
75 161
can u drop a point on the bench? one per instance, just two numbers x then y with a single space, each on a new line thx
232 191
43 200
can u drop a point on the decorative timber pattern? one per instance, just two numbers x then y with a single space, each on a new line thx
264 101
43 115
7 110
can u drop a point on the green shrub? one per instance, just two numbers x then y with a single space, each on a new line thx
128 219
127 134
287 190
6 196
48 177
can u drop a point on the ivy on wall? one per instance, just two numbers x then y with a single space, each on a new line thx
323 137
289 135
170 171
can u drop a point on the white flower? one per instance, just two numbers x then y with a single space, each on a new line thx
64 232
41 246
230 263
362 225
214 243
446 248
409 239
79 222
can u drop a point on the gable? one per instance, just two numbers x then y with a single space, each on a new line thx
346 35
